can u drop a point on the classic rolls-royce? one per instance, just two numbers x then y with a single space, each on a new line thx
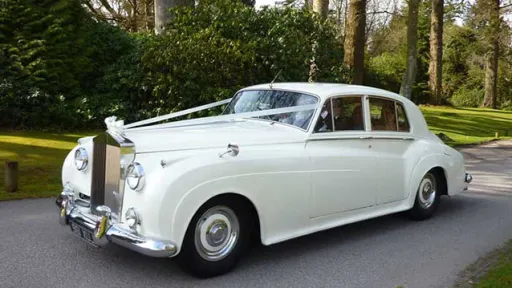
282 160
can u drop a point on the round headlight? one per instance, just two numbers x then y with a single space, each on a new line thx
81 159
132 218
135 176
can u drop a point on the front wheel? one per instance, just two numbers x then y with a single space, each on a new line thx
427 197
215 240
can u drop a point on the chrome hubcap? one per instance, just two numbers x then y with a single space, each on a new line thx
427 191
216 233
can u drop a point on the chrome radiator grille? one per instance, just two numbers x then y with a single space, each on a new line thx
111 156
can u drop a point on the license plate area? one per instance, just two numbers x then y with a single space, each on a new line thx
82 232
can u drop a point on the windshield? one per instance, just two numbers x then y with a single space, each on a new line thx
258 100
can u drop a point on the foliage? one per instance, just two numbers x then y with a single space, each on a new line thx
52 56
209 52
66 69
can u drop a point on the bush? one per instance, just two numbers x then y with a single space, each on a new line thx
209 52
465 97
70 71
53 56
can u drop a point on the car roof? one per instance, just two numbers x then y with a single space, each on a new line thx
326 90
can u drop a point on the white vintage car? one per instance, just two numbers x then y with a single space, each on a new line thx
283 160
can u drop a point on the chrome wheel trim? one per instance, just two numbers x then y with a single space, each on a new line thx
216 233
427 191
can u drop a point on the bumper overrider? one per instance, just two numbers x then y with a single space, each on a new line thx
467 179
99 230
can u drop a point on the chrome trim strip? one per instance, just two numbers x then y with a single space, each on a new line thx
115 233
362 137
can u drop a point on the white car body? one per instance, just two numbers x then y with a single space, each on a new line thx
299 181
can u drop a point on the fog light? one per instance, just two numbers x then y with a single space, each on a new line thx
132 218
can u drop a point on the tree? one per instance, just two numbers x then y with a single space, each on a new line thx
412 50
162 15
355 40
131 15
321 7
491 10
435 68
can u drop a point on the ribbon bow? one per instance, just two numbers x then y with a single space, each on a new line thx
115 127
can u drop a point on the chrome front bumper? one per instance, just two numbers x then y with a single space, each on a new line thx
99 230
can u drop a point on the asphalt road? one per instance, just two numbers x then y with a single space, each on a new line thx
35 251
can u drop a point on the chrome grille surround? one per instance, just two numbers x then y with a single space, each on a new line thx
112 154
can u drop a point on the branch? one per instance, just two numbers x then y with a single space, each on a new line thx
385 12
93 10
505 6
109 8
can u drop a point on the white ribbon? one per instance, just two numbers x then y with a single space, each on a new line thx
177 114
212 119
118 127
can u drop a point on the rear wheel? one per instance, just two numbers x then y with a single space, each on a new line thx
427 197
216 238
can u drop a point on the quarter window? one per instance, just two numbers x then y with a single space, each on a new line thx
403 123
383 115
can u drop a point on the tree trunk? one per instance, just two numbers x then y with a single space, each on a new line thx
135 17
321 7
492 55
355 40
435 68
147 14
162 15
412 50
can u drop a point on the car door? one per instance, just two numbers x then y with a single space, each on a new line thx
390 141
340 159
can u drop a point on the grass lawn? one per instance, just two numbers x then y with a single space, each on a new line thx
41 154
493 270
468 125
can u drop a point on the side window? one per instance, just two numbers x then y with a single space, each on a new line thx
341 114
403 123
325 120
348 113
383 115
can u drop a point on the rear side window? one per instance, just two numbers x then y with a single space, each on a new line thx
383 115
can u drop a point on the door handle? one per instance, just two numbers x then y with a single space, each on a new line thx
366 137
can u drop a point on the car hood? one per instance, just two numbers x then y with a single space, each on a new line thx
212 135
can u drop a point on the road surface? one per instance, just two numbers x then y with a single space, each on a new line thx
35 251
